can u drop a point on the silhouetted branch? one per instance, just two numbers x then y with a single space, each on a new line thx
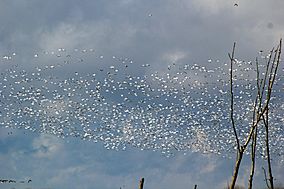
239 148
265 177
232 96
141 184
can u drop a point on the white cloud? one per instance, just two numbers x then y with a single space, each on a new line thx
92 34
174 180
47 146
174 56
65 174
65 35
209 167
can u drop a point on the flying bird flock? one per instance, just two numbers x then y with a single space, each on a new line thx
119 102
13 181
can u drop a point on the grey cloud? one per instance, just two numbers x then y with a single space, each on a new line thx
183 31
201 28
82 164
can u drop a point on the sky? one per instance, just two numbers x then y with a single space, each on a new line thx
157 33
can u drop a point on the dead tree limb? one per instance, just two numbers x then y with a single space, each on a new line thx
265 178
272 76
141 184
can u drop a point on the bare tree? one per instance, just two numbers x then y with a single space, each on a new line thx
260 113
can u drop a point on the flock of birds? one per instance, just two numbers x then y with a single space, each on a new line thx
14 181
177 107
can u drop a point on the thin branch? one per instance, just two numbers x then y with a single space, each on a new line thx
268 150
272 76
264 108
258 100
263 82
232 97
265 178
240 150
273 73
253 149
258 118
277 63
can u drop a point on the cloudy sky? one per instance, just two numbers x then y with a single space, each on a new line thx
149 32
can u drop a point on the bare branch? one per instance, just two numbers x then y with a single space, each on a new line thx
253 149
265 178
272 76
232 97
265 121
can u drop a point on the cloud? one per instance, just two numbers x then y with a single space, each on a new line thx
46 146
6 133
173 57
212 6
182 31
204 29
88 165
209 167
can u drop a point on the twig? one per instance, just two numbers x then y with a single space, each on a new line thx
240 150
272 76
265 178
232 96
253 149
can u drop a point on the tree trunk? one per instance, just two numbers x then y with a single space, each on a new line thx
237 167
141 185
